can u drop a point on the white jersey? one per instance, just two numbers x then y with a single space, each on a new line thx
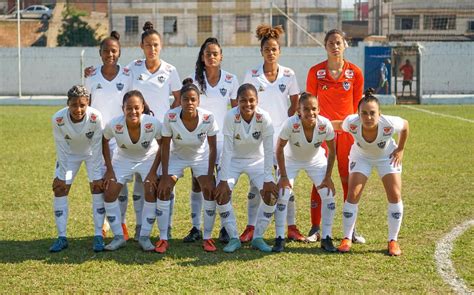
189 145
81 140
244 140
383 145
298 148
107 96
145 148
216 99
273 97
157 87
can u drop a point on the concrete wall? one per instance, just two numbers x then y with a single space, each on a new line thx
448 68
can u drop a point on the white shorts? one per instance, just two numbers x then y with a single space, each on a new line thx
73 164
252 167
361 164
125 169
316 170
176 166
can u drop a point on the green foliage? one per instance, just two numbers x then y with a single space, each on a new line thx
75 31
437 192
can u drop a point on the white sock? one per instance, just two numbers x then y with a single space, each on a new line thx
328 211
98 213
195 200
280 212
209 218
61 212
172 200
138 199
254 200
148 218
112 210
291 210
394 219
264 215
123 201
163 216
349 216
228 220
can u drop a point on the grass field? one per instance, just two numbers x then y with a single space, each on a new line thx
438 182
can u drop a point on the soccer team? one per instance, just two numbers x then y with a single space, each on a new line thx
121 124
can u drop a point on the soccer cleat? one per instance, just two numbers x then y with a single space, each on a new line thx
146 244
314 235
357 238
327 245
345 245
247 235
209 245
125 231
279 245
294 234
193 235
118 242
98 244
138 228
105 228
223 236
233 245
259 243
394 248
59 245
162 246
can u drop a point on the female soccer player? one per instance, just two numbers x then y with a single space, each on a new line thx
188 127
137 134
218 90
107 83
276 85
374 147
248 148
337 83
299 148
77 131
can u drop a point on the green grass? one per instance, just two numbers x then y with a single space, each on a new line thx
438 179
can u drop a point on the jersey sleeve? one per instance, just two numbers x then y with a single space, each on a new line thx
235 87
158 131
226 158
312 82
247 78
268 158
345 124
285 130
228 129
61 150
166 127
108 130
358 88
329 131
96 145
213 128
294 88
268 129
175 81
396 122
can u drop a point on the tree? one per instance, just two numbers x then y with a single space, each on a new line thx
75 31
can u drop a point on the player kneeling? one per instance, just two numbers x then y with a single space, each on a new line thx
374 147
248 148
305 133
138 135
77 131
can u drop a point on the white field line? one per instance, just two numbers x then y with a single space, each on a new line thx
438 114
442 256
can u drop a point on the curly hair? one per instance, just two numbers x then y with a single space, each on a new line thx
264 32
200 65
77 91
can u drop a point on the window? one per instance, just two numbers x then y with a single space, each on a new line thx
131 24
315 23
242 23
170 25
470 26
205 24
407 22
439 22
279 20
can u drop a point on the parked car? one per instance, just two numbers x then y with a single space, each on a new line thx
36 11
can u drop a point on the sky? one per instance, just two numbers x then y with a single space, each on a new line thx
349 3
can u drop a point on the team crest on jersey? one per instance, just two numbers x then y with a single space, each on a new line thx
178 137
223 91
201 136
140 77
99 86
353 128
67 137
321 74
126 71
317 145
324 87
258 118
352 165
282 87
261 89
172 117
123 146
297 144
60 121
381 144
256 134
237 136
346 85
286 73
349 74
90 134
237 118
206 118
119 86
296 128
119 129
58 213
148 127
138 62
161 78
228 78
93 118
387 131
254 73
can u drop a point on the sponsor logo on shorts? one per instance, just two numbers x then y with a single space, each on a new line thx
267 214
148 127
60 121
58 213
347 214
256 135
223 91
396 215
346 85
332 206
161 78
100 211
118 129
258 117
145 144
352 165
93 118
317 144
150 220
210 212
281 207
158 212
172 117
90 134
224 214
136 197
111 219
381 144
119 86
282 87
349 74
